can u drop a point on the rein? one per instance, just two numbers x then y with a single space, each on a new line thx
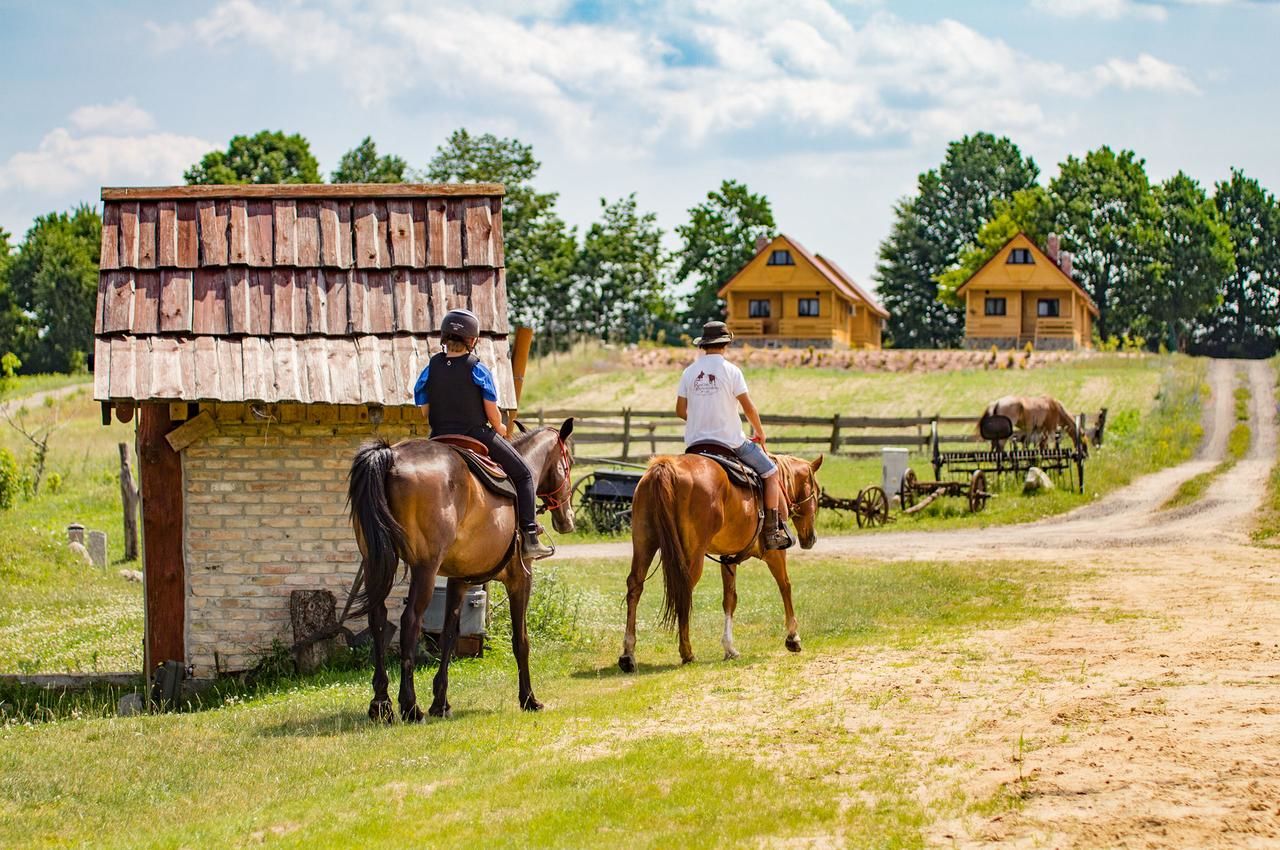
553 501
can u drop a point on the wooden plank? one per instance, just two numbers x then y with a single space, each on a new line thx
238 300
307 230
401 232
163 516
483 287
498 247
238 232
259 306
176 294
338 310
203 425
436 214
379 306
117 301
285 229
419 212
187 237
438 299
213 219
455 214
101 369
259 377
147 215
167 234
230 369
457 290
146 302
315 353
409 360
500 299
288 303
120 358
390 382
261 238
344 369
178 411
109 258
302 190
207 385
413 301
370 220
290 370
316 292
368 370
335 234
210 300
128 236
168 375
477 249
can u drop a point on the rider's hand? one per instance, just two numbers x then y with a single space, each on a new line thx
500 429
759 438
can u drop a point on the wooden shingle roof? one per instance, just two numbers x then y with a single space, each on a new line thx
314 294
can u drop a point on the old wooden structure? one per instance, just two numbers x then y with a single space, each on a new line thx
786 295
260 333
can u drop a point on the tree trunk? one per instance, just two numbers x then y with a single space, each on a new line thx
129 501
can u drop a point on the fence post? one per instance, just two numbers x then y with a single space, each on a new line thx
919 428
653 439
626 433
541 422
835 433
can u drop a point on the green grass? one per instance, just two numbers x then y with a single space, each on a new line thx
672 756
1267 528
24 385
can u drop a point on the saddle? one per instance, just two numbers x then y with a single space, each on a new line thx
739 473
995 427
483 467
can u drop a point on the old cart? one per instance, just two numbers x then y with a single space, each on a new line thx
1015 458
870 508
915 495
602 499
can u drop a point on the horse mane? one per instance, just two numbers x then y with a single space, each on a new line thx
526 436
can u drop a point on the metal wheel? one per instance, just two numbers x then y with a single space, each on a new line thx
907 489
591 512
860 508
978 494
873 507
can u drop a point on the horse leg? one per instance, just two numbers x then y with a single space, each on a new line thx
643 548
380 705
777 561
729 574
519 586
448 639
685 614
421 584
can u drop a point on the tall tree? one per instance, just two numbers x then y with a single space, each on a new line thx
1029 211
362 164
1109 218
54 278
266 157
620 286
1248 320
1196 258
932 228
16 333
540 251
719 239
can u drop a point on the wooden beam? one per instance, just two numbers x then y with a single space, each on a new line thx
187 433
164 574
303 190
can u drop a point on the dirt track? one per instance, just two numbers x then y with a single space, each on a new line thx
1149 716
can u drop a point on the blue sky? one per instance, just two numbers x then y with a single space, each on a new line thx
830 107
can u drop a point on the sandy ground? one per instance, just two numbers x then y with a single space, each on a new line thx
1147 716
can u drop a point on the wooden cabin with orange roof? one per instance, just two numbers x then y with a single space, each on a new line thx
787 296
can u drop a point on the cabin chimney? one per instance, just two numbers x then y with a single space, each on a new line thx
1065 263
762 242
1051 247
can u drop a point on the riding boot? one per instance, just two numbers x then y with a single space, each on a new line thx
532 548
776 535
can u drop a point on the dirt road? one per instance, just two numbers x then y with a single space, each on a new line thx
1149 716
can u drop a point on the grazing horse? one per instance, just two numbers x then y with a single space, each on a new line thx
1035 418
686 508
418 502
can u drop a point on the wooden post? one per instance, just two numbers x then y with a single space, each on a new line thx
653 439
129 501
164 580
919 428
626 433
835 433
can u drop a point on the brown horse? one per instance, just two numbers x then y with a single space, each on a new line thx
686 508
418 502
1035 418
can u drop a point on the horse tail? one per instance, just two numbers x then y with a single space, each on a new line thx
383 536
677 598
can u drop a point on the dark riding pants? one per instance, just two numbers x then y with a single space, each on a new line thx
517 470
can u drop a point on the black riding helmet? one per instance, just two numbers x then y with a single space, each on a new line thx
461 325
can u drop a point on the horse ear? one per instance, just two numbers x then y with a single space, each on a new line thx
814 464
566 429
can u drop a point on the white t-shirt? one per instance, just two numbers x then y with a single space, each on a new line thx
712 386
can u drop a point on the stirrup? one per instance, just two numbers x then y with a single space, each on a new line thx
778 538
532 548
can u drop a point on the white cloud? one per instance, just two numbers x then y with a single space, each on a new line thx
1107 10
122 117
1147 72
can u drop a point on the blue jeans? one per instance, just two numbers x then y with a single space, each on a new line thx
753 456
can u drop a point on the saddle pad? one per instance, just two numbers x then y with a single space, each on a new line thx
739 473
492 476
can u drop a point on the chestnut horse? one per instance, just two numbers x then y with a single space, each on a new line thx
418 502
686 508
1035 418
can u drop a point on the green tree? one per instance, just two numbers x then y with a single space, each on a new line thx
266 157
1029 211
16 333
1247 322
620 287
719 239
54 279
362 164
540 250
932 228
1109 218
1196 259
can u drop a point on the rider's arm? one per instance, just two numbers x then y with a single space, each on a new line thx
753 416
495 417
682 407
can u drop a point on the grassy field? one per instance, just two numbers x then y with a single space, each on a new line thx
24 385
626 761
1267 530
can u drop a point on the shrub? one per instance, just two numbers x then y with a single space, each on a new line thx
10 479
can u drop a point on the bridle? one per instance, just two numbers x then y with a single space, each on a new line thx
793 508
561 495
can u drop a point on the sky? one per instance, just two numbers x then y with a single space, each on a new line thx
831 108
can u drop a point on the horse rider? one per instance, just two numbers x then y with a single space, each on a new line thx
457 395
711 391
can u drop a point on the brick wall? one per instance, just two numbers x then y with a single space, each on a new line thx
266 515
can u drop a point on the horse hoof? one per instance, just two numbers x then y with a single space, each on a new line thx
530 703
445 711
793 644
380 711
688 660
412 714
732 655
627 663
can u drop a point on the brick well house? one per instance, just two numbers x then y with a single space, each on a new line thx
261 333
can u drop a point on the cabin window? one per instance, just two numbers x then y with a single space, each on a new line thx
808 306
758 308
1048 308
995 307
1020 257
781 257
